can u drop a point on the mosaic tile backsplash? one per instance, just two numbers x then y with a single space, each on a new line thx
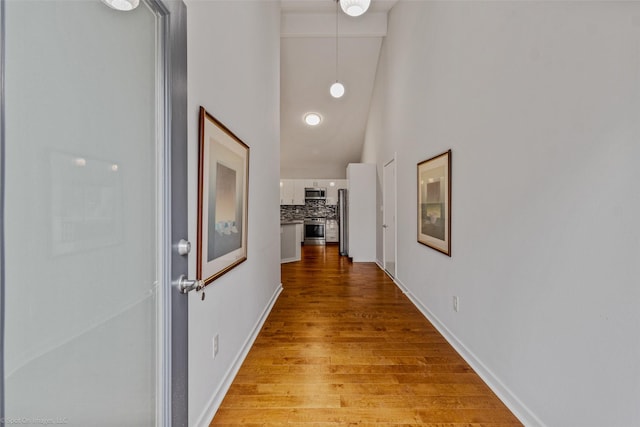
312 208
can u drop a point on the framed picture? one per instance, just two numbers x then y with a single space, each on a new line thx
223 186
434 202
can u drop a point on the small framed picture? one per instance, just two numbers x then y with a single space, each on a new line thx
434 202
223 187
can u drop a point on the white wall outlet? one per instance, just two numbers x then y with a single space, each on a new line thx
456 303
216 346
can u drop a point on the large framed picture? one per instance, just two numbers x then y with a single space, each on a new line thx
434 202
223 186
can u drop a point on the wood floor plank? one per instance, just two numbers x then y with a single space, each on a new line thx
342 347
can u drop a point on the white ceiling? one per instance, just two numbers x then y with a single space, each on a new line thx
308 68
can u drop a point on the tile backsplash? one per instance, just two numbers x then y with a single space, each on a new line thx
312 208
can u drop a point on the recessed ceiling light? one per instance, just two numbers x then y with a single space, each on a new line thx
124 5
312 119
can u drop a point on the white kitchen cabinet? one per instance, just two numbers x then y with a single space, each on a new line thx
331 231
332 191
286 191
298 192
292 191
290 242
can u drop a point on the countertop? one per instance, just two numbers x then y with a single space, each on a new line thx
293 221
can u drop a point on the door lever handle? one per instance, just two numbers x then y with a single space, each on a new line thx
185 285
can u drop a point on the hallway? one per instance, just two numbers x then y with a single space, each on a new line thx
343 346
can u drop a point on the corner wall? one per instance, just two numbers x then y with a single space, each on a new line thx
540 103
234 72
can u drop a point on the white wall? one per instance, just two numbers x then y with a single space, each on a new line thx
234 60
540 103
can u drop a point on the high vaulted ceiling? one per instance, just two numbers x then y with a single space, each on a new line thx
308 68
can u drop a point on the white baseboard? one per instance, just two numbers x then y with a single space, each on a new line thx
216 400
362 260
515 405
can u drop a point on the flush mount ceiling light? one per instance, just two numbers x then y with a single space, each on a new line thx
354 7
124 5
312 119
337 89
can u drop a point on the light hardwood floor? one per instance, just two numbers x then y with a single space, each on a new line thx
344 347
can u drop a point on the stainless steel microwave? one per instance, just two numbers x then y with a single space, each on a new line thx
315 193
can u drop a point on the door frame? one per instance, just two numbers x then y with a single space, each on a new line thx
172 128
393 274
176 162
2 178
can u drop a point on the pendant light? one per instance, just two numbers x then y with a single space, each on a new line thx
337 89
354 7
124 5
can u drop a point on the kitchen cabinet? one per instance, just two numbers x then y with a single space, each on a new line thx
292 191
332 191
298 192
331 231
290 242
286 191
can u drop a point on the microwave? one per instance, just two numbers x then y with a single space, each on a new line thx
315 193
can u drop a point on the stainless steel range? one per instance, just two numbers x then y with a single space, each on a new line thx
314 231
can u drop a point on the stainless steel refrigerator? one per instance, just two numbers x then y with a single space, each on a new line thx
343 222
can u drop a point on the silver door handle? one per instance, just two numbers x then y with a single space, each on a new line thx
384 225
184 247
185 285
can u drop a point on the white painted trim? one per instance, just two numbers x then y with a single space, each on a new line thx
395 213
364 260
515 405
216 400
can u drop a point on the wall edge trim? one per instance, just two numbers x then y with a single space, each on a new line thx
216 399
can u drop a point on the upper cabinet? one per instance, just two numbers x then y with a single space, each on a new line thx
298 192
292 192
332 190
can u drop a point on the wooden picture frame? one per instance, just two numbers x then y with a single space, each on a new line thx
223 191
434 203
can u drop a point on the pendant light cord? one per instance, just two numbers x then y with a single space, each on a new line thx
337 12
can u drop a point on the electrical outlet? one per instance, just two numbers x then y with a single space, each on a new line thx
456 303
216 346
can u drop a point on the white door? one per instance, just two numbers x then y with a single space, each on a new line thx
389 218
85 217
